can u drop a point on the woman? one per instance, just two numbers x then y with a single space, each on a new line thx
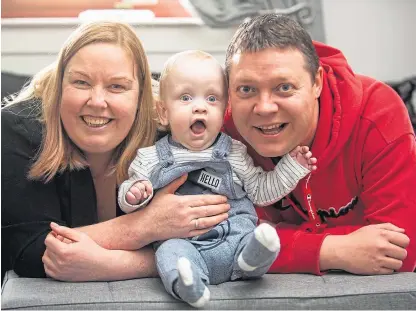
67 141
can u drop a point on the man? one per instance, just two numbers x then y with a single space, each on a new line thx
356 212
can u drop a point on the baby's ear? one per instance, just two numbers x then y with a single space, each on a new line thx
162 113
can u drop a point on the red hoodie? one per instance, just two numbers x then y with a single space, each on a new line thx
366 174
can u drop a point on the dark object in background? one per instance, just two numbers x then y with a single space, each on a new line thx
156 76
11 83
407 90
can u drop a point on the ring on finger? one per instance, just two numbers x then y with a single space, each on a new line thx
196 223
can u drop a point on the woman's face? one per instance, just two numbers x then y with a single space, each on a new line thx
100 94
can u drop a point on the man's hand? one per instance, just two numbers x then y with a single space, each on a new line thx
181 216
373 249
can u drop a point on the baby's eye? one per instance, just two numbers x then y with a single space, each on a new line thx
211 99
245 89
186 98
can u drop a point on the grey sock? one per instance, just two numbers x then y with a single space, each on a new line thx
190 287
260 251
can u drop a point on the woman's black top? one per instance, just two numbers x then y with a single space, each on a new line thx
28 207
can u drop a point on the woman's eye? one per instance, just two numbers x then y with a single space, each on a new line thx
211 99
117 87
186 98
245 89
80 82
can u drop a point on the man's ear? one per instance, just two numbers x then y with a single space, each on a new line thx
319 80
162 113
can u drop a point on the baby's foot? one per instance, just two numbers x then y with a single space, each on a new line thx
261 250
303 156
190 287
139 192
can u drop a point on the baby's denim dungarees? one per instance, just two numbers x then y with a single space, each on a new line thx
214 253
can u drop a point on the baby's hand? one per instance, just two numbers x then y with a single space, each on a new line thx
303 156
139 192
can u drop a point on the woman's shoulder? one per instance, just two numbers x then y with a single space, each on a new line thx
25 109
22 112
21 120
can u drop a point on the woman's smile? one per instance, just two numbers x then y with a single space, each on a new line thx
95 122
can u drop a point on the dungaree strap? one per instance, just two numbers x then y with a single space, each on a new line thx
222 147
164 152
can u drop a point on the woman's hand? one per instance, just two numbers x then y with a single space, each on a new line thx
174 216
73 256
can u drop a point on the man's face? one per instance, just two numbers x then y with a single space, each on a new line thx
274 103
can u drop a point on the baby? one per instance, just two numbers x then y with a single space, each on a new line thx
193 99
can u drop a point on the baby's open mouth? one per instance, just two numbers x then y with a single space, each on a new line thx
198 127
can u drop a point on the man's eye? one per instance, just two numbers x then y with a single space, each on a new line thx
245 89
285 87
186 98
211 99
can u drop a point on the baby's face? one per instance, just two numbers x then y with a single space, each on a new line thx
195 99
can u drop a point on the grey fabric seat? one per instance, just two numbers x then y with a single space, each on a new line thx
273 291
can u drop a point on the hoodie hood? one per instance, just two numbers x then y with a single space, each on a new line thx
340 104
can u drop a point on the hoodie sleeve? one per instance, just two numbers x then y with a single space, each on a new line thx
388 166
389 190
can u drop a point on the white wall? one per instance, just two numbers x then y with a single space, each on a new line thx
28 45
378 37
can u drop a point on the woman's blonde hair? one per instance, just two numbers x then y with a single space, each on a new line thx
58 152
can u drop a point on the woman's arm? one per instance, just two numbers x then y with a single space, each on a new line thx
107 251
79 258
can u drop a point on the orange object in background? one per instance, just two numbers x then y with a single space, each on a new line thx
71 8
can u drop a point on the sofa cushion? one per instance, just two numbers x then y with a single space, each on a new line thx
273 291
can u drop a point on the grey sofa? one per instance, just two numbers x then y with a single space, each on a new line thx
273 291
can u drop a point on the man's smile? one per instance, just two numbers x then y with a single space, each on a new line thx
271 129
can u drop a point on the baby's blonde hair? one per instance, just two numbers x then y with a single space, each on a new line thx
170 64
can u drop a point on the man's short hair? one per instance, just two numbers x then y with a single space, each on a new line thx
273 31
